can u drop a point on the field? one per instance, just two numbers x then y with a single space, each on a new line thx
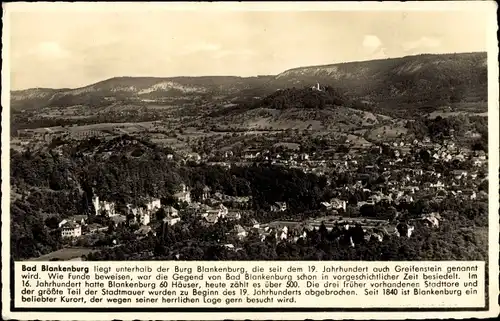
328 119
65 254
367 118
140 126
357 140
445 114
291 146
385 132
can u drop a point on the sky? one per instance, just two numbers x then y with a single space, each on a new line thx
75 48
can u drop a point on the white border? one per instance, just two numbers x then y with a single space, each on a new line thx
489 9
253 6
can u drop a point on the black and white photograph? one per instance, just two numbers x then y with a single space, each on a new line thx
257 135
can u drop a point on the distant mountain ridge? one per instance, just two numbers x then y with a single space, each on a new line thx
421 81
133 87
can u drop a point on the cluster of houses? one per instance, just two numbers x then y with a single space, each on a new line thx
213 209
50 133
446 151
366 229
402 179
209 212
40 134
405 181
71 227
320 162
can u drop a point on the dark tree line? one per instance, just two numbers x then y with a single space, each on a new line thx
453 240
307 98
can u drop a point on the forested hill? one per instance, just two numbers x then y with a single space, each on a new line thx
308 98
419 83
55 184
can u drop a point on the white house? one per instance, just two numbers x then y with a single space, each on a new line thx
240 231
71 229
338 204
153 205
171 211
145 219
223 211
170 220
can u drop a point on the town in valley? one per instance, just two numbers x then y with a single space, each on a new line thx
331 142
293 170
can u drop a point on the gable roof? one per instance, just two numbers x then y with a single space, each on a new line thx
239 229
77 218
70 225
